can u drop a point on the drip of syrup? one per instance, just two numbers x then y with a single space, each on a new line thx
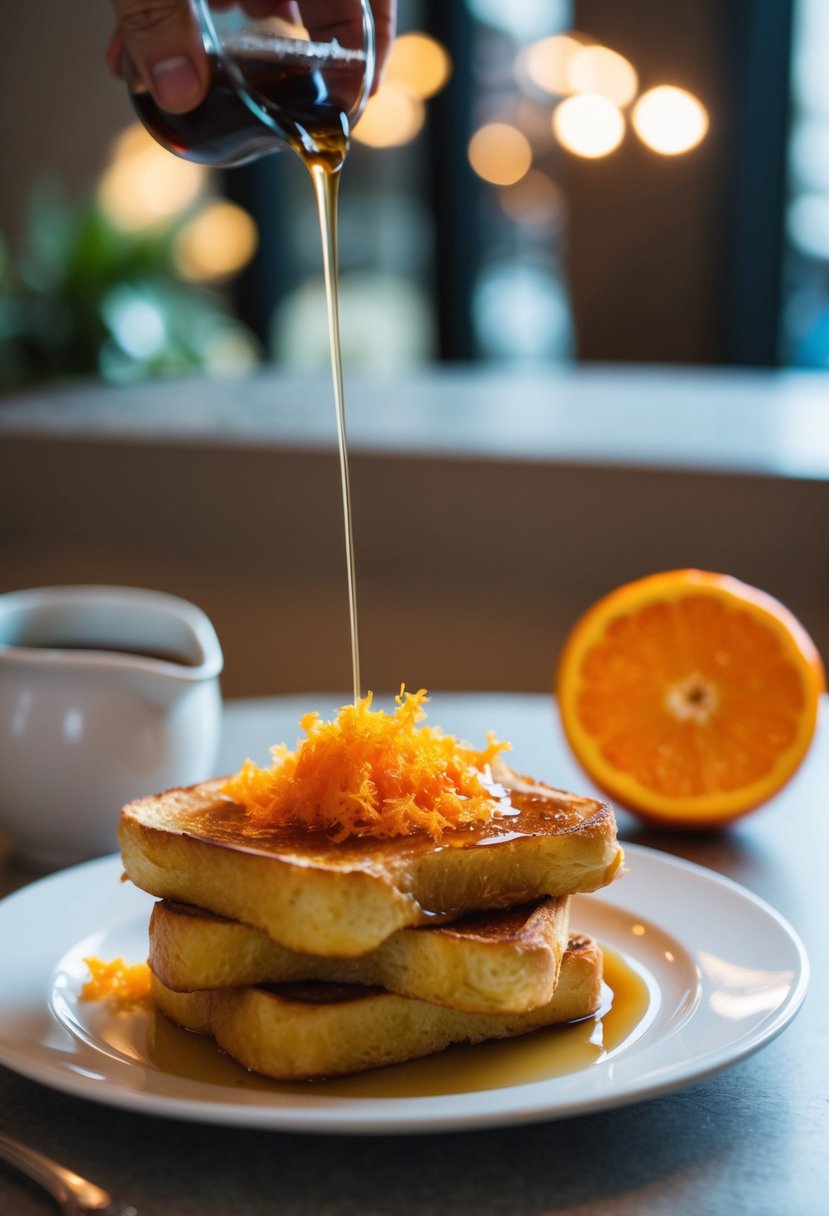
323 148
312 89
326 187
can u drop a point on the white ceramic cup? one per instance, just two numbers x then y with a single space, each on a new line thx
106 694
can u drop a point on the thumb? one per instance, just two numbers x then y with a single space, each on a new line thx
163 40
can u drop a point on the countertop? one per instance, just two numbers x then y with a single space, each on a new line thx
682 418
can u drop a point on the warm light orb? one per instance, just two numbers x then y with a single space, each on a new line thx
598 69
144 185
535 201
418 65
216 243
132 141
670 120
391 118
588 125
547 63
532 118
499 153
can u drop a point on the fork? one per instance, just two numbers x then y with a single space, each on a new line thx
76 1195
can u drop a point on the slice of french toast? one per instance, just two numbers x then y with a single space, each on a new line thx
505 961
316 896
311 1031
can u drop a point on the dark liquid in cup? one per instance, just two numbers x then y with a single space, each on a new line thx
308 96
166 656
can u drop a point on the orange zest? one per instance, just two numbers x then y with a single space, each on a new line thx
370 773
689 697
122 985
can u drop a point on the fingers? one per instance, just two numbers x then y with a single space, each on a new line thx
162 39
259 8
342 19
115 53
288 10
385 23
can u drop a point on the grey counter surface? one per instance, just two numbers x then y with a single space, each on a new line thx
752 1139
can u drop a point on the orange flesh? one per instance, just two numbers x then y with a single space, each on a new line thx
369 773
691 696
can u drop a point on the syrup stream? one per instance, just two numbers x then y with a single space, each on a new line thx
326 188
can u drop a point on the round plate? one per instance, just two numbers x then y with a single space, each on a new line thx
718 974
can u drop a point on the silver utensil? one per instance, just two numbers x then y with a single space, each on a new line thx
76 1196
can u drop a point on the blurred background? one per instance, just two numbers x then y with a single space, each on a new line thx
584 254
541 180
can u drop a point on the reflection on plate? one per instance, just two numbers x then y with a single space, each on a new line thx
703 972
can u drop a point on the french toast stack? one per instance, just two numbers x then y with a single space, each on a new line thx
309 958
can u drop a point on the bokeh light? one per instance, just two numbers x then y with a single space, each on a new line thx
588 125
535 201
546 63
670 120
418 65
216 243
522 20
598 69
521 312
392 117
807 223
500 153
809 155
386 321
532 119
144 186
136 322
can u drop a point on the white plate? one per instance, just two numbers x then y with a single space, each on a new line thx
721 973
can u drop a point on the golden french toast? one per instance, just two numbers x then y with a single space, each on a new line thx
506 961
343 898
311 1031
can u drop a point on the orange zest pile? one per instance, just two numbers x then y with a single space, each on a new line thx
370 773
122 985
689 697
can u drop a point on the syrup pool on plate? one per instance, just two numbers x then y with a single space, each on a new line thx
144 1035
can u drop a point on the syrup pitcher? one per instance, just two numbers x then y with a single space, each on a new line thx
273 85
106 694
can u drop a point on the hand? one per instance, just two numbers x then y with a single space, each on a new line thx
162 39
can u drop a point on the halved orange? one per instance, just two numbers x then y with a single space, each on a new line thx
689 697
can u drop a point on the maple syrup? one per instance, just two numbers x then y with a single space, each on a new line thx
260 102
300 98
540 1056
326 181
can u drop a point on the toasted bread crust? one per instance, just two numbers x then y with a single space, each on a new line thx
497 962
317 897
313 1031
297 905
